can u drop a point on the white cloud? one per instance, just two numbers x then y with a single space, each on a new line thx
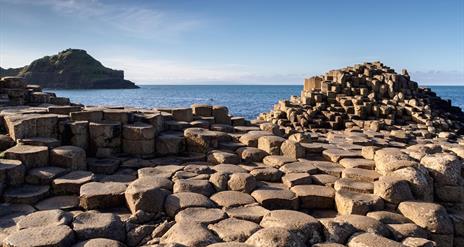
438 77
129 20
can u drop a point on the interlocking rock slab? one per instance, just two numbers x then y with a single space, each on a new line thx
45 218
349 202
336 155
196 186
277 161
176 202
402 231
367 239
388 217
251 138
274 236
97 242
364 224
275 198
103 166
299 167
393 189
48 236
353 185
30 156
232 198
292 149
44 175
96 195
12 172
200 215
359 174
315 196
243 182
445 168
302 225
69 157
293 179
88 225
234 229
147 194
430 216
269 174
251 154
270 144
189 234
357 163
249 212
58 202
72 182
336 231
27 194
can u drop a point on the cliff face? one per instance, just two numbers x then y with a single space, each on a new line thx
71 69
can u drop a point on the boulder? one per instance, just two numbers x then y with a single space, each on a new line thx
444 168
248 212
393 189
430 216
147 194
243 182
270 144
189 234
274 236
196 186
349 202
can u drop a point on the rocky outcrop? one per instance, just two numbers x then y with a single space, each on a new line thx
200 177
71 69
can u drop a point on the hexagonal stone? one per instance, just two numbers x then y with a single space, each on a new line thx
243 182
251 138
270 144
391 159
201 140
349 202
234 229
222 157
430 216
357 163
26 194
336 231
444 168
96 242
44 175
30 156
353 185
41 236
418 242
138 131
249 212
274 236
58 202
251 154
364 224
299 167
148 194
329 168
69 157
293 179
95 195
324 179
71 183
12 172
88 225
277 161
176 202
359 174
292 149
275 198
366 239
167 144
336 155
269 174
315 196
387 217
402 231
45 218
103 166
189 234
200 215
228 168
393 189
196 186
165 171
232 198
302 225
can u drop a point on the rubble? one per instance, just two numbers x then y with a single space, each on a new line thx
364 156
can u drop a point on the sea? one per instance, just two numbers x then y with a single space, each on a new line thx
242 100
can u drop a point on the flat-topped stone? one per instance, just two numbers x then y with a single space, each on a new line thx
30 156
189 234
60 235
47 218
234 229
71 182
88 225
179 201
232 198
196 186
251 154
353 185
430 216
275 236
336 155
58 202
366 239
148 194
200 215
248 212
314 196
222 157
275 198
12 172
357 163
299 167
44 175
359 174
26 194
96 195
350 202
277 161
103 166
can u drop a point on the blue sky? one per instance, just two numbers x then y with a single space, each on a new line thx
269 42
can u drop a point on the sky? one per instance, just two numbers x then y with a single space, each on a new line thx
240 41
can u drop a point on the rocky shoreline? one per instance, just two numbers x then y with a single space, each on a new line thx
364 157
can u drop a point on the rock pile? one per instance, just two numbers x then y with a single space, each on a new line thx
116 176
370 96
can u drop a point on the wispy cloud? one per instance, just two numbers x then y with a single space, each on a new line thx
129 19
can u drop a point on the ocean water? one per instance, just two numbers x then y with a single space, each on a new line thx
242 100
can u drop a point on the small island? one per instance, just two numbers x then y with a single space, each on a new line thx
70 69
